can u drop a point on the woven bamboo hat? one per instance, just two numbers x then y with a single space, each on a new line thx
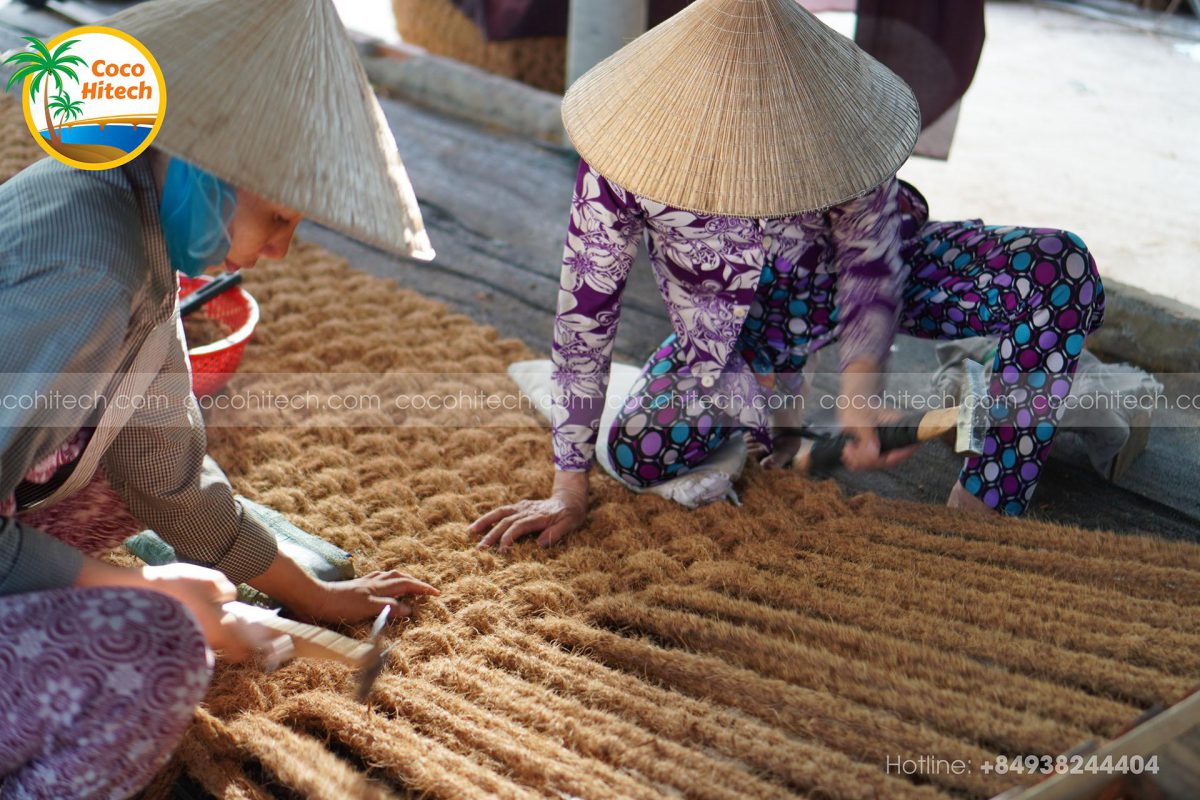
270 96
749 108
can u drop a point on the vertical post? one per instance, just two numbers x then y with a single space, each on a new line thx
598 28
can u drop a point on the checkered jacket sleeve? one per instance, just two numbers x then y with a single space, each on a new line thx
157 464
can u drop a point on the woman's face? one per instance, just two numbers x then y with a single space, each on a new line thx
259 229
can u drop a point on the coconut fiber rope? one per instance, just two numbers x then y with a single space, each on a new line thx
787 648
784 649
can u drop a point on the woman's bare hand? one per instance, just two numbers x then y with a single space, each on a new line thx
203 592
335 602
861 416
862 452
553 519
785 446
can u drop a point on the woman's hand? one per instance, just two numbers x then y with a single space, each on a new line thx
336 602
862 382
786 440
554 518
200 590
862 451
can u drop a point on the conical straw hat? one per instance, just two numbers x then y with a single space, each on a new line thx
270 96
751 108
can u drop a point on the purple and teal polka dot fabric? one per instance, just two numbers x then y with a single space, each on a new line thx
664 429
1036 290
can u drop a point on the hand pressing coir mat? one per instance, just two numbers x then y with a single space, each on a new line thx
790 647
787 648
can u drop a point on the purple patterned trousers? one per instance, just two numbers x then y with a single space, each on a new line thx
1035 290
98 685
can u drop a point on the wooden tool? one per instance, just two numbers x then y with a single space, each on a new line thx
967 422
1170 737
313 641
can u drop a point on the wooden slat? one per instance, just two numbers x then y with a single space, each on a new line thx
1156 735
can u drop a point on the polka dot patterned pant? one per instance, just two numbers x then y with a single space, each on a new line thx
1035 290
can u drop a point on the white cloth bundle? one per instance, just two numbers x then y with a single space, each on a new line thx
1110 412
712 480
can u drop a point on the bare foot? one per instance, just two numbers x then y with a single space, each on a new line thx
964 501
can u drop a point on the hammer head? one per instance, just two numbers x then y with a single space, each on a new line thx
972 422
369 672
311 641
372 664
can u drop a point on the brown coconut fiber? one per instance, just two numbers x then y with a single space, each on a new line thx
784 649
442 29
17 147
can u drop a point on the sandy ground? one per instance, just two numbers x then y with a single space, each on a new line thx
1084 125
1080 124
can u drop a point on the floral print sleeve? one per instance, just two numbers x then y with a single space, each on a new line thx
602 241
870 273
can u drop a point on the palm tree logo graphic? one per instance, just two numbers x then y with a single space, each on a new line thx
44 66
93 97
65 108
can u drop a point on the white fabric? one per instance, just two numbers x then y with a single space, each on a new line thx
1125 397
712 480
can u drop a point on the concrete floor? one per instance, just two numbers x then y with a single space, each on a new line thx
1084 125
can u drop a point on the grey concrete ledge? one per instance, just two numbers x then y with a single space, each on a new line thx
1154 332
460 90
1120 12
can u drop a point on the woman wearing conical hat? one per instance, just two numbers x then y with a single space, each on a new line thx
756 150
103 666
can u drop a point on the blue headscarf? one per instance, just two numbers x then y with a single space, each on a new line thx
196 210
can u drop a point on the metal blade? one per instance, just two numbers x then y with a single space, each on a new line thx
380 621
370 673
972 411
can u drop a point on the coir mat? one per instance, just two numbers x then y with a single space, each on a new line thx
796 646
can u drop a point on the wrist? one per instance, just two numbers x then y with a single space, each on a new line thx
287 582
94 573
571 487
862 381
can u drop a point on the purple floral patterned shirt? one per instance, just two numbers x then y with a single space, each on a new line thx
707 269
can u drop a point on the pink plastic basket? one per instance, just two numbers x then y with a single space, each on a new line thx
213 364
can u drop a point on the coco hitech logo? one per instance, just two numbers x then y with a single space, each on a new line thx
93 97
